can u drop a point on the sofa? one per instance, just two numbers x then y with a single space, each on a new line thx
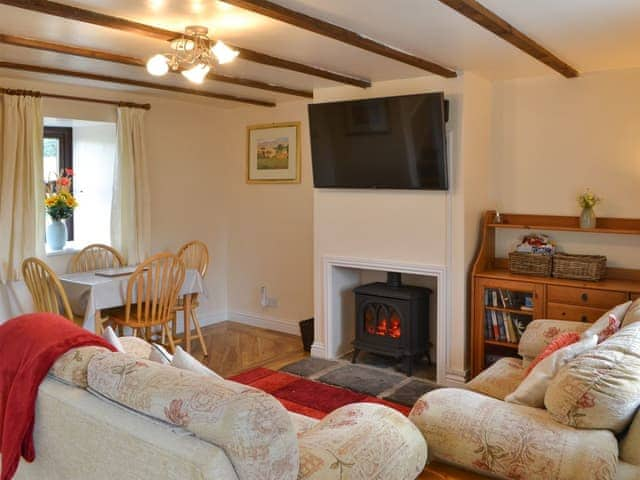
588 429
105 415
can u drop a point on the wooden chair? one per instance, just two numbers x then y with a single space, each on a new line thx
152 291
46 290
195 255
96 257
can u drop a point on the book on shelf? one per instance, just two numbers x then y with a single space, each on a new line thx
513 336
494 324
501 326
494 298
488 326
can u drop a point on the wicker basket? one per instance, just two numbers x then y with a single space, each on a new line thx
579 267
530 264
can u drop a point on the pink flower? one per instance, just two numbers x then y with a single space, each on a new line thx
551 332
64 181
175 414
68 172
587 401
420 407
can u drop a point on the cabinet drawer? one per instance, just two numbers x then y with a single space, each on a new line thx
585 297
575 313
634 296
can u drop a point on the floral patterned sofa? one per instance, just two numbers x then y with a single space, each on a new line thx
105 415
475 429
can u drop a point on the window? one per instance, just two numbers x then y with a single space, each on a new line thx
89 148
58 154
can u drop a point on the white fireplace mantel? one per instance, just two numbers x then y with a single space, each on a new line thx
331 328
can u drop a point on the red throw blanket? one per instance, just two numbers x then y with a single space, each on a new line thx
29 346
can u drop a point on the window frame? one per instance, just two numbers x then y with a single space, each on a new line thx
64 135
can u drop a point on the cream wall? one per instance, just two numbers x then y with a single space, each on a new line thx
270 228
553 137
188 177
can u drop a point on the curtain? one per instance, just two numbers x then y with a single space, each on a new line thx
21 183
130 211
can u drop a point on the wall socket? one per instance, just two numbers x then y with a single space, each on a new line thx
265 300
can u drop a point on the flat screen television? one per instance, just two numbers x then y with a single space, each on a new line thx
393 142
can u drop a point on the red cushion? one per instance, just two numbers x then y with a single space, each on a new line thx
613 327
560 341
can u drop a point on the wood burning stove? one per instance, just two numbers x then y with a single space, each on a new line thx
392 319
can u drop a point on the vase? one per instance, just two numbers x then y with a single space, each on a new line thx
587 218
56 235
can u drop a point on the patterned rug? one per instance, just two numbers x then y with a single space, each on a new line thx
376 378
307 397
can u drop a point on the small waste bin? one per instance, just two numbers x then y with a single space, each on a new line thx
306 332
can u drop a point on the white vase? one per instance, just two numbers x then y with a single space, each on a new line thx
56 235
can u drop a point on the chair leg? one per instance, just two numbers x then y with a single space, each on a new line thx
194 316
172 346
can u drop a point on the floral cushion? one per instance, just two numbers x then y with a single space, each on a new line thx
362 441
541 333
600 388
252 427
510 441
603 323
71 367
500 379
137 347
633 314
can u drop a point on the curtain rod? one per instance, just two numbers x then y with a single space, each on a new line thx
32 93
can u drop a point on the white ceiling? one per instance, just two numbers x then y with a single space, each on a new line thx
590 35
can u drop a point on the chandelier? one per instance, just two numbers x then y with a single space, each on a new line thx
193 55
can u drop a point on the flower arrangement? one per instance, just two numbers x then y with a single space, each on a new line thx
59 202
588 199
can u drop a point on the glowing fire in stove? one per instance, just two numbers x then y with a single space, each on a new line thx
384 327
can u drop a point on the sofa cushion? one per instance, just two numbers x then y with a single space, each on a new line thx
633 314
500 379
362 441
600 388
541 333
135 346
510 441
561 341
600 325
630 444
533 388
252 427
185 361
71 368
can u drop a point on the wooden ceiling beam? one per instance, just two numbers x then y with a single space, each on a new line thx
130 81
503 29
313 24
137 62
109 21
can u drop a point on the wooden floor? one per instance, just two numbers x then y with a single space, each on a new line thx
234 348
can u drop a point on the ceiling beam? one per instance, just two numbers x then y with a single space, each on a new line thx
130 81
137 62
503 29
108 21
313 24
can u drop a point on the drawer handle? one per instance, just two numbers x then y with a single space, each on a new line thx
583 319
584 297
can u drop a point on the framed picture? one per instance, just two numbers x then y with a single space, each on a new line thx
273 153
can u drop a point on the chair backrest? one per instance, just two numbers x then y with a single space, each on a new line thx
45 288
96 257
153 289
195 255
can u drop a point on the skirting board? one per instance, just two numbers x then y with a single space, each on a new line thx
291 328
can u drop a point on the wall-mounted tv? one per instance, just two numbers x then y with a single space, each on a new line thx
393 142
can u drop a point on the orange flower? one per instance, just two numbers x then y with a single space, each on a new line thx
64 181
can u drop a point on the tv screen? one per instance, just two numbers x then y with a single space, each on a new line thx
394 142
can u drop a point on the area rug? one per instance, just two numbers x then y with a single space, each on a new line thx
307 397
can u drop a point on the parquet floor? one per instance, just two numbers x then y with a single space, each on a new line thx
234 348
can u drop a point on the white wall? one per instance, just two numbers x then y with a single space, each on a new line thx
553 137
188 175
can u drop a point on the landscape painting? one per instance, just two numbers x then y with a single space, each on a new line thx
273 154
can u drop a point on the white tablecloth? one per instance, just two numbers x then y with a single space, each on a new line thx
88 292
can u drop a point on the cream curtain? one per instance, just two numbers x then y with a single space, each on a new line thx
21 183
130 212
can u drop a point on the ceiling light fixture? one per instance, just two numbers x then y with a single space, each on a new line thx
193 54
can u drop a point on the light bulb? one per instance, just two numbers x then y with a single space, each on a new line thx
223 52
196 74
158 65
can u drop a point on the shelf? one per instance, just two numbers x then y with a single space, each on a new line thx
509 310
611 231
498 343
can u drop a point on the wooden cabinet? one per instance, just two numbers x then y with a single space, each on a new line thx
555 298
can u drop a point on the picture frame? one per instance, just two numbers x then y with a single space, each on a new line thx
273 153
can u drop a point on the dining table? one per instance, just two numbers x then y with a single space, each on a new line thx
90 293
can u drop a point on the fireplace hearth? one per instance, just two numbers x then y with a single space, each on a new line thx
393 320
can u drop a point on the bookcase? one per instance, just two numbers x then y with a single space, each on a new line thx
503 303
